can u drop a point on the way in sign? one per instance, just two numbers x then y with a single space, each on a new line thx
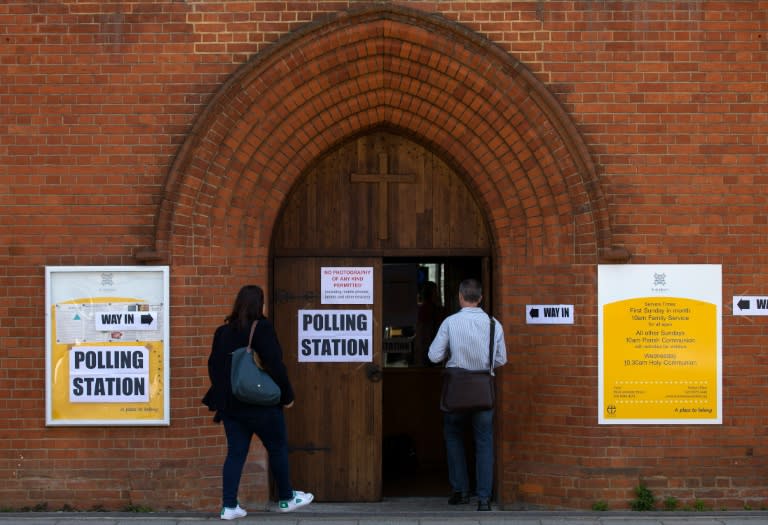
750 305
549 314
126 321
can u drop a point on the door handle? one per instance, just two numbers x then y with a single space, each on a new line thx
373 372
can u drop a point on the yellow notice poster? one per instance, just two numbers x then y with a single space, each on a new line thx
107 346
660 350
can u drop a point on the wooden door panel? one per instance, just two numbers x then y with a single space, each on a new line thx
334 429
381 192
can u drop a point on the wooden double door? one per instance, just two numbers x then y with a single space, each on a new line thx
375 198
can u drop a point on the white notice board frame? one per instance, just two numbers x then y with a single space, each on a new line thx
642 366
97 376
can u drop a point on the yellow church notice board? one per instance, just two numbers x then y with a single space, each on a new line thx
107 345
660 344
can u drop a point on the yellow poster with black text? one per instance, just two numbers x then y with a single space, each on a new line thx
660 359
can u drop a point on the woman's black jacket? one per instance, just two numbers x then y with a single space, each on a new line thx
228 338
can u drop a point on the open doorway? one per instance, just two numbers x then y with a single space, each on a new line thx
417 294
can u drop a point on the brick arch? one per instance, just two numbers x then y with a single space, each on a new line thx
490 118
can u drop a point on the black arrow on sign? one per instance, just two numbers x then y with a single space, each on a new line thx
534 312
743 304
146 319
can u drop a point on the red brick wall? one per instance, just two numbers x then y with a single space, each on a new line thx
665 101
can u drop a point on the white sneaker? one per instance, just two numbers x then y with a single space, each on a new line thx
298 500
228 513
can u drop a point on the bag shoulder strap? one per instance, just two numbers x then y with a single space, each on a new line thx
250 337
491 344
251 350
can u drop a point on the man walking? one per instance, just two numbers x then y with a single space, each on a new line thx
463 338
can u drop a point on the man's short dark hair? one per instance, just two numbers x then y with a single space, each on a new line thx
471 290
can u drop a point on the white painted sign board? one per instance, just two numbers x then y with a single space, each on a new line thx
346 285
335 336
750 305
549 314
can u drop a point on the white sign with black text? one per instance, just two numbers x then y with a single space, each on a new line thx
126 320
346 285
335 336
549 314
750 305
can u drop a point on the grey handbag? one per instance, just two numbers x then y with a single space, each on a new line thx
250 382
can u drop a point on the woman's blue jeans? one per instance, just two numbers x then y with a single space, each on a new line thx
268 423
454 425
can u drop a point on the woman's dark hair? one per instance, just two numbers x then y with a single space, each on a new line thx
249 306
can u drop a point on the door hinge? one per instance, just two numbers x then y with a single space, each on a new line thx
284 296
309 447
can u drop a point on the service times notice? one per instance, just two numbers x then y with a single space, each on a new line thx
660 360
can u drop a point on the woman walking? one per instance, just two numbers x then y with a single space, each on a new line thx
242 420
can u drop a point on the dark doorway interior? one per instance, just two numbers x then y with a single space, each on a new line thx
417 295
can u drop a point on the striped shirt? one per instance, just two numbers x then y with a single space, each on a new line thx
463 338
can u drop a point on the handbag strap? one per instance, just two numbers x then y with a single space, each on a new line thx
252 351
253 329
490 344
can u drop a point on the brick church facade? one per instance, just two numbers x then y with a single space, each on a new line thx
172 133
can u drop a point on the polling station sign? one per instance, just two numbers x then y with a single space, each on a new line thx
335 336
660 344
107 346
106 374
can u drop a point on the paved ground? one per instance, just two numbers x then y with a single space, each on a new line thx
407 511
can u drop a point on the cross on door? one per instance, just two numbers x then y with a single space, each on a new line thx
382 178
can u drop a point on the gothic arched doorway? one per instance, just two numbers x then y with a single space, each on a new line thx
386 203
